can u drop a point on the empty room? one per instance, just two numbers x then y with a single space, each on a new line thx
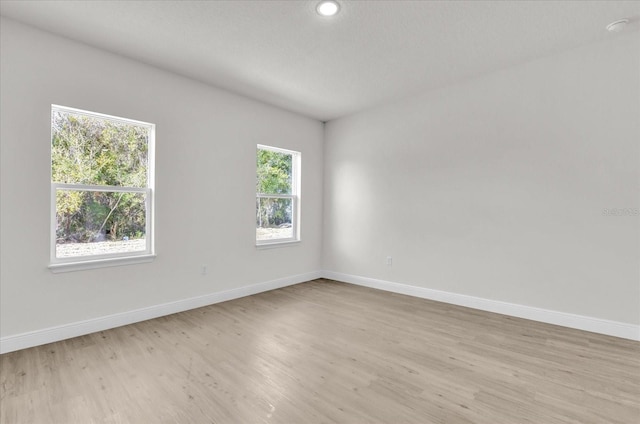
312 211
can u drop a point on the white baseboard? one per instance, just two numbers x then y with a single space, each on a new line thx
62 332
580 322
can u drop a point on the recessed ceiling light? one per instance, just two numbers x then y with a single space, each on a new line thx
617 26
328 8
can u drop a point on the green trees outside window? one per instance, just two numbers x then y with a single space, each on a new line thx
100 177
276 194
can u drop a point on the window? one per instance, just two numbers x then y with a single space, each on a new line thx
101 189
277 196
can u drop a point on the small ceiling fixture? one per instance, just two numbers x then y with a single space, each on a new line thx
327 7
617 26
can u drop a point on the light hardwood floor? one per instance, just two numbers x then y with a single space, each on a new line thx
326 352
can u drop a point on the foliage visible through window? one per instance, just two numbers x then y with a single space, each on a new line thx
277 195
101 186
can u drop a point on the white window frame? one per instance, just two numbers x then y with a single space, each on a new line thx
112 259
296 160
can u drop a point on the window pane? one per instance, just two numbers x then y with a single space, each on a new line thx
97 151
273 218
99 222
273 172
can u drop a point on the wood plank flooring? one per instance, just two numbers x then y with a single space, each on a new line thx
326 352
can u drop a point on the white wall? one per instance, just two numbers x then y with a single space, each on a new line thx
492 188
495 188
206 139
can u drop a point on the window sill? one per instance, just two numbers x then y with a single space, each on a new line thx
274 244
100 263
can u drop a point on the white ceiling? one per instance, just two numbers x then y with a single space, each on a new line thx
283 53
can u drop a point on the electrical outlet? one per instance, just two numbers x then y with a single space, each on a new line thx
389 261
